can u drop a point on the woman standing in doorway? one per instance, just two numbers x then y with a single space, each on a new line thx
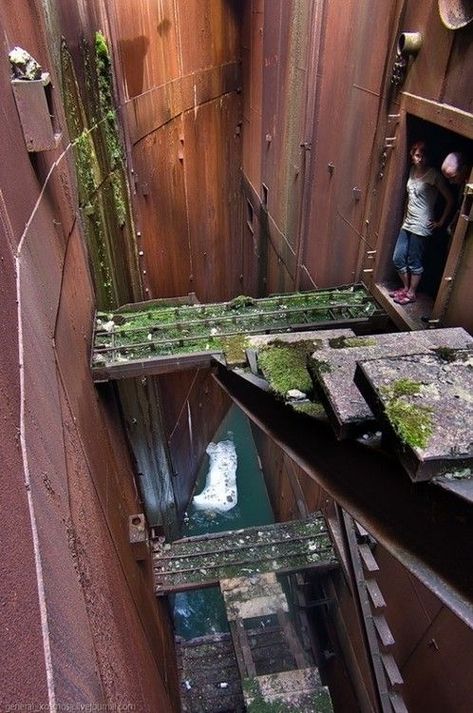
423 187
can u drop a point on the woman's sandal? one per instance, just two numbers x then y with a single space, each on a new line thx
404 299
398 293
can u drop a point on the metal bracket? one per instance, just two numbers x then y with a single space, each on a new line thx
138 536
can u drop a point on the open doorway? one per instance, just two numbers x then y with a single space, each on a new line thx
440 143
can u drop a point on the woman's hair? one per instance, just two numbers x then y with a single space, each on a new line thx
419 146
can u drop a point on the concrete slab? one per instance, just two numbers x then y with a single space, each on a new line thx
319 336
334 369
255 596
425 404
297 691
282 359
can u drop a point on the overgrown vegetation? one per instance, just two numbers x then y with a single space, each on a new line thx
411 422
284 366
99 162
180 329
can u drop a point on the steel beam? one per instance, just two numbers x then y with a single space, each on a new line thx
427 528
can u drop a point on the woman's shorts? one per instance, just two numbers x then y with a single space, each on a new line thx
409 252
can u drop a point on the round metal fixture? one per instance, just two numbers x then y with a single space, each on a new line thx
456 13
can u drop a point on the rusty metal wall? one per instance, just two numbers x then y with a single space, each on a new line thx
194 408
292 494
75 602
276 42
432 645
347 112
178 68
346 212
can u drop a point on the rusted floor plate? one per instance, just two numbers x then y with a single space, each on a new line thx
425 402
298 691
334 369
202 561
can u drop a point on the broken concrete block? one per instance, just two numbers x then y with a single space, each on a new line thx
425 405
334 369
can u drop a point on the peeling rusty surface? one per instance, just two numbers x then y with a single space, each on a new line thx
71 655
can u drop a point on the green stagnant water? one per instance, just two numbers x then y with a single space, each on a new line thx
202 612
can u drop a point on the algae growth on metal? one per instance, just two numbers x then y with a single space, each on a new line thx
164 331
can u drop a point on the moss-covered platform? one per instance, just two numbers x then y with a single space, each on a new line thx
425 403
202 561
155 338
333 370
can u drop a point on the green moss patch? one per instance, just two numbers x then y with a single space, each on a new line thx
284 366
321 366
234 349
310 408
412 423
446 354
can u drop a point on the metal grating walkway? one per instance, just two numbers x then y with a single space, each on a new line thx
156 338
197 562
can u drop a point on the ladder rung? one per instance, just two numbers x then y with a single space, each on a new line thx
392 670
375 593
361 530
397 702
384 632
369 561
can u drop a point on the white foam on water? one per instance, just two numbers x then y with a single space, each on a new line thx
220 492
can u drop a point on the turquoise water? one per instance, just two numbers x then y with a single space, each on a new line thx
202 612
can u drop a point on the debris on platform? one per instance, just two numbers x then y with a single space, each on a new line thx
204 560
297 691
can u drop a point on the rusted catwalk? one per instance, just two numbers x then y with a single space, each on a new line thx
204 560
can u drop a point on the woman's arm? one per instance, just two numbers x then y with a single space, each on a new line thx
448 198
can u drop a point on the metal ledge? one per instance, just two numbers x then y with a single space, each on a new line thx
427 528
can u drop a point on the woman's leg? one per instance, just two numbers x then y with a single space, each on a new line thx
400 256
415 259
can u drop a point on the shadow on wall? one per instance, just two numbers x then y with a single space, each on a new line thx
133 53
